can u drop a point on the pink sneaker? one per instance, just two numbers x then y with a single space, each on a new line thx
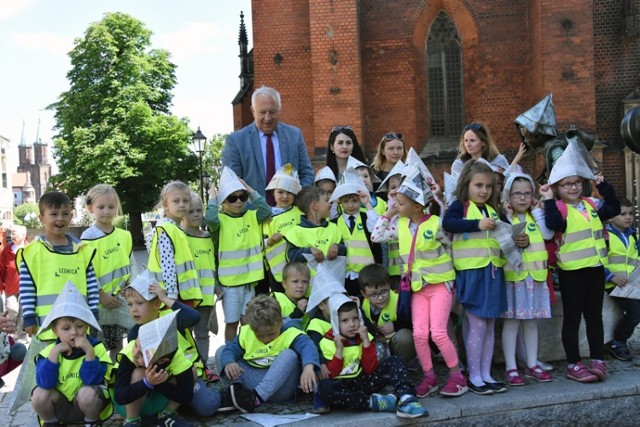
427 386
536 373
513 378
580 373
599 369
456 386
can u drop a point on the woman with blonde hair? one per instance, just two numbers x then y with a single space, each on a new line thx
391 149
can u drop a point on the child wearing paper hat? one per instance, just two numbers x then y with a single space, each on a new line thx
368 178
72 372
581 256
238 229
351 193
285 186
326 180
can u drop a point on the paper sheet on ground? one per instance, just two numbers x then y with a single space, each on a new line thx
503 234
271 420
631 289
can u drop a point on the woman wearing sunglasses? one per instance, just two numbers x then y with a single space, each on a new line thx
475 143
342 144
390 150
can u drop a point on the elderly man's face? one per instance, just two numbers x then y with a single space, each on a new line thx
266 113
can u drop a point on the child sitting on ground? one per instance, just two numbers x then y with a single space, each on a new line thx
356 376
264 360
295 280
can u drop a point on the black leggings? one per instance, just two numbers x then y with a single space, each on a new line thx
582 294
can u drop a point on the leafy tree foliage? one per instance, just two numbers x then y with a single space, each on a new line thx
113 124
27 214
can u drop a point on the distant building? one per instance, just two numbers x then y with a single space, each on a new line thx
33 162
6 207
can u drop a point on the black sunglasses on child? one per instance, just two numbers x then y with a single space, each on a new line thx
233 198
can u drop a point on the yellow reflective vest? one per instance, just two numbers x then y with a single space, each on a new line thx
240 249
351 356
359 253
321 237
582 244
179 363
395 261
69 381
534 257
276 255
203 253
112 262
431 262
50 271
188 286
477 249
622 259
260 355
387 314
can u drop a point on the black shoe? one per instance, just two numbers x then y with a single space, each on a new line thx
483 390
620 351
226 402
243 398
497 387
173 420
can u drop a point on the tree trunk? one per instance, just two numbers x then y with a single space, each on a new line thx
135 219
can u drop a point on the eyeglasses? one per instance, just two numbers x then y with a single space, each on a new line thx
474 126
233 198
521 195
391 136
570 185
340 128
379 295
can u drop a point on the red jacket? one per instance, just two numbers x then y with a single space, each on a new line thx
9 274
369 361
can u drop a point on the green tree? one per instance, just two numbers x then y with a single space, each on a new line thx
27 214
113 124
212 161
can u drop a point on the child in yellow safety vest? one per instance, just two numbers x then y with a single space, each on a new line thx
326 181
293 301
355 227
237 232
72 372
581 256
285 186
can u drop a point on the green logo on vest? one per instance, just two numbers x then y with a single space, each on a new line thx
531 227
428 234
594 213
360 226
202 252
63 270
242 231
386 317
109 251
494 215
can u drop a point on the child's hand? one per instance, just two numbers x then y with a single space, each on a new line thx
84 344
275 238
546 192
233 370
308 379
7 324
317 254
522 240
338 340
213 191
619 280
392 208
31 330
435 188
324 372
386 329
155 375
364 335
302 304
508 209
332 253
522 150
108 300
535 203
62 348
365 199
487 224
599 179
249 189
162 294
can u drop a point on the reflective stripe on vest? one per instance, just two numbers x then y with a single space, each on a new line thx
358 251
112 262
240 249
188 286
582 244
622 259
276 255
203 252
387 314
321 237
477 249
394 258
260 355
431 263
534 257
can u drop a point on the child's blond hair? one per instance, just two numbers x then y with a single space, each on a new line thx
101 190
263 310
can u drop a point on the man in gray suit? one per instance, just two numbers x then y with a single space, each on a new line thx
247 153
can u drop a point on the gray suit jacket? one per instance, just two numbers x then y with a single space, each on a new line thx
243 154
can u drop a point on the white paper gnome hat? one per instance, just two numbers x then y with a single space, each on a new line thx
415 187
329 278
285 178
70 303
336 301
159 337
352 162
450 184
570 163
508 183
325 173
414 159
229 184
499 163
397 169
350 183
141 284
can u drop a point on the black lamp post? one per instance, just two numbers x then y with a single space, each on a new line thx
199 145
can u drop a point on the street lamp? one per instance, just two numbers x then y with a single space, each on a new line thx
199 145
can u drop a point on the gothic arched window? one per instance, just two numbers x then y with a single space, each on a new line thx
444 80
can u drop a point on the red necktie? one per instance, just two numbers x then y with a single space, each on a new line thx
270 167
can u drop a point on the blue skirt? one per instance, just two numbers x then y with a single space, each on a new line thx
482 291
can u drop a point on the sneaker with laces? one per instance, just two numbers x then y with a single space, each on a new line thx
580 373
134 423
383 402
513 378
536 373
173 420
619 350
599 369
243 398
319 405
456 386
427 386
411 408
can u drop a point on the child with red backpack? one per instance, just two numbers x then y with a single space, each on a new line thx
581 256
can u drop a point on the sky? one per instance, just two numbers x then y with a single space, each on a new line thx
36 36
